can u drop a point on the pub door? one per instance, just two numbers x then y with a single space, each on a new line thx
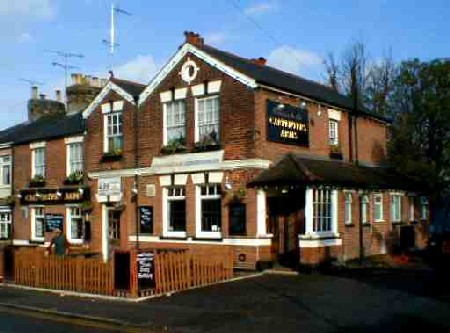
286 222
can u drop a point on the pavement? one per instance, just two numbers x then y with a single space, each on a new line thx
267 303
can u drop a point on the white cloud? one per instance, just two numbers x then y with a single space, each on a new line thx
215 37
41 9
141 69
293 60
25 37
259 8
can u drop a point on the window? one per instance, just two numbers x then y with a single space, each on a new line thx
396 208
207 119
75 157
378 207
175 120
322 211
114 224
114 132
75 227
176 209
237 215
333 132
348 208
37 225
365 209
39 162
5 225
411 209
211 208
424 211
5 169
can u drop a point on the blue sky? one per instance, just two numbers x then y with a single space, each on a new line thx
293 34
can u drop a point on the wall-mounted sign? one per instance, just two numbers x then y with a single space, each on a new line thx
53 196
146 270
109 186
146 219
53 221
287 124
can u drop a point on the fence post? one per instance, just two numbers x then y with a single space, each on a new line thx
134 288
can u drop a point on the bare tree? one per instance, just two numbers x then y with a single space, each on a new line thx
332 71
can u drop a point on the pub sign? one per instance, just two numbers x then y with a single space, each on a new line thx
287 124
54 196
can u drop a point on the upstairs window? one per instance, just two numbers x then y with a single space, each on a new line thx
5 169
333 135
114 132
38 155
75 151
175 121
207 120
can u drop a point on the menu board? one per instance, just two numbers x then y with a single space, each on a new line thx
146 270
53 221
146 219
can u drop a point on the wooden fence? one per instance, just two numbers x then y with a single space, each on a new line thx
174 270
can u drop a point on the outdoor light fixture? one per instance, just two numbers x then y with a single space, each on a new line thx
228 184
19 196
38 195
279 106
303 104
81 191
58 193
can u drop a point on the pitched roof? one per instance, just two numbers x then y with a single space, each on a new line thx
276 78
302 169
45 128
131 87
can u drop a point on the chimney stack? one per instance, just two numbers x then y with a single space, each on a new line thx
194 38
58 96
42 96
34 92
259 61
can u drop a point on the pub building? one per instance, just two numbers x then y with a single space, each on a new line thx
220 150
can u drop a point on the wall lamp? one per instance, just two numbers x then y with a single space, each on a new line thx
228 185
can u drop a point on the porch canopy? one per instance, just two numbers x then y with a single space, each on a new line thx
296 169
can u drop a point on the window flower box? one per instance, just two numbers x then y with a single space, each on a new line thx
208 142
111 156
37 181
175 146
336 152
74 178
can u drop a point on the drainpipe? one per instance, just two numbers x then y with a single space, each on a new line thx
136 165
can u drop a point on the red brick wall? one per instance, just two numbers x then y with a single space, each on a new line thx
371 140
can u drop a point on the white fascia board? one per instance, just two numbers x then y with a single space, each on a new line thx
189 48
100 97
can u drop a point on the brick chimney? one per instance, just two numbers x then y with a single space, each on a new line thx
259 61
42 96
34 92
194 38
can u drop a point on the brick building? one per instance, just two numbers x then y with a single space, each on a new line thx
221 150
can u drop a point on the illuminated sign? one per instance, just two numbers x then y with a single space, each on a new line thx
53 196
287 124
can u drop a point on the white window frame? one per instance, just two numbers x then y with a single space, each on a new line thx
4 164
333 141
198 209
70 142
165 209
380 204
5 224
33 217
309 215
424 208
107 112
396 212
197 125
365 206
165 118
33 161
348 196
412 212
69 217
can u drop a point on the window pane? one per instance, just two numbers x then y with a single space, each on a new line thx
208 118
237 216
211 214
6 174
177 215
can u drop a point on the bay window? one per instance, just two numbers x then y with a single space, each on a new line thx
323 211
207 119
175 122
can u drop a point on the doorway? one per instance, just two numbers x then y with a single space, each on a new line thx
286 220
110 231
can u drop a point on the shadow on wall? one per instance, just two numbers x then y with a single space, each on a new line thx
378 153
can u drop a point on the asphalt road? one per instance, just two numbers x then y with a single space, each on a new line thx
19 321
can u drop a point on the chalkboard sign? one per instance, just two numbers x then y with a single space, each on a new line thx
146 219
53 221
146 270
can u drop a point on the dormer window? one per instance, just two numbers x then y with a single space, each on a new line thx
113 127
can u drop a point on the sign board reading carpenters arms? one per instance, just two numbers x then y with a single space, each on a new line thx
53 195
